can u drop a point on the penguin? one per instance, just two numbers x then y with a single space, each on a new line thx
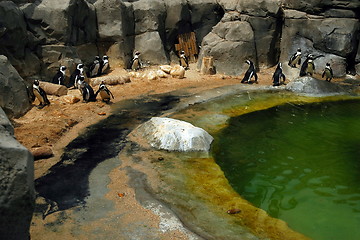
310 67
104 65
94 67
74 76
104 92
184 62
59 77
295 59
328 73
250 73
278 74
305 65
40 94
135 62
86 90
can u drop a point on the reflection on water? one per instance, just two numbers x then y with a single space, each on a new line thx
300 163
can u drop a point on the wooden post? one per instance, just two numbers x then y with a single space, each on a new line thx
207 66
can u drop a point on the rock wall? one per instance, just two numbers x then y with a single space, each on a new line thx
17 194
50 33
14 97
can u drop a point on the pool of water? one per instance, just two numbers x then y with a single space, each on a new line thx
300 163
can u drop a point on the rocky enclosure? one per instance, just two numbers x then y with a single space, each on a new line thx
39 36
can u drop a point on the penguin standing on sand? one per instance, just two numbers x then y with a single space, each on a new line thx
278 75
76 74
328 73
86 90
40 94
59 77
105 93
295 59
135 62
184 62
94 67
250 73
104 65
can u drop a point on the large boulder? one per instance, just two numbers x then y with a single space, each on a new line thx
13 33
150 45
68 21
174 135
228 47
116 29
16 42
14 97
314 87
17 194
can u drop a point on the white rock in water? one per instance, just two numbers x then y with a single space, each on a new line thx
175 135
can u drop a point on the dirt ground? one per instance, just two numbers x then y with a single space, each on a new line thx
57 125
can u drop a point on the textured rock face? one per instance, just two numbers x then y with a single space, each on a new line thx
266 31
69 21
332 37
174 135
13 33
314 87
17 192
116 29
14 98
228 48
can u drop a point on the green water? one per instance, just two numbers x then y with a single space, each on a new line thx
300 163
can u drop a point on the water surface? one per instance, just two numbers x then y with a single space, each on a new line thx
300 163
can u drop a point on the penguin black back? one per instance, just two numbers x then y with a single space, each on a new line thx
59 77
278 75
251 72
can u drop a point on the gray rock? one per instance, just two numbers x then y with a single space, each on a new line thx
332 37
69 21
318 6
14 98
174 135
13 33
149 15
17 194
314 87
228 48
116 29
150 46
357 69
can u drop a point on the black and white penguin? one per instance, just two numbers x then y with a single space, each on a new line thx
75 75
135 62
104 65
250 73
295 59
304 66
94 67
278 75
59 77
328 73
310 67
105 93
184 61
40 94
86 90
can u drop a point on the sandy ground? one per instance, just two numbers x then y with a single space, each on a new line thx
58 124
